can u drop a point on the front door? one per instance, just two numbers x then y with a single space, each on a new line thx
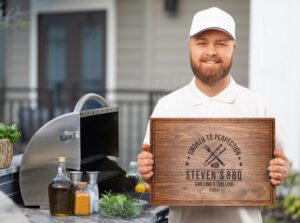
71 56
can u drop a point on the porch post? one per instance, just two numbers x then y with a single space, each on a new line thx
2 71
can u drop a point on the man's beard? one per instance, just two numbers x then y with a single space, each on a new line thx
210 76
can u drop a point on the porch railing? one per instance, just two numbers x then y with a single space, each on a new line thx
32 108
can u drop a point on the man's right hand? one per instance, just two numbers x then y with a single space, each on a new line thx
145 163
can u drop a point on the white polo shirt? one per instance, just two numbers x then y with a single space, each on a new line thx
234 101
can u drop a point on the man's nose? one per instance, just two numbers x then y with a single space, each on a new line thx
211 49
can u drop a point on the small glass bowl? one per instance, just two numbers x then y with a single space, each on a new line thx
127 211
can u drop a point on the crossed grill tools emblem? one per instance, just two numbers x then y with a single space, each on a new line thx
214 155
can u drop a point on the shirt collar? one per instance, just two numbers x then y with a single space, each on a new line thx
228 95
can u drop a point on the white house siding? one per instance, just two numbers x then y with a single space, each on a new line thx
17 59
16 45
152 45
130 43
2 56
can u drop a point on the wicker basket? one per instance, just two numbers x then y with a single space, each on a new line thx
6 153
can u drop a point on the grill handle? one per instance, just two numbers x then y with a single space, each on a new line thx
88 97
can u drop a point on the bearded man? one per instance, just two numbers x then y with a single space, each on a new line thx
213 93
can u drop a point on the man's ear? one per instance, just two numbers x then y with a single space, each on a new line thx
234 47
188 41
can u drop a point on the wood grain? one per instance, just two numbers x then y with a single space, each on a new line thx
212 161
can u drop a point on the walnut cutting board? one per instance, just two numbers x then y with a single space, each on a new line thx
219 161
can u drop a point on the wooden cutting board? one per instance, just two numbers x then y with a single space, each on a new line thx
200 161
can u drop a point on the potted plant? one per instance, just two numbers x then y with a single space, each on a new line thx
8 136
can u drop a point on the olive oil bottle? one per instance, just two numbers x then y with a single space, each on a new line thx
61 192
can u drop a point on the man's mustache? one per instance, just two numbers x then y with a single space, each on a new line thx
211 59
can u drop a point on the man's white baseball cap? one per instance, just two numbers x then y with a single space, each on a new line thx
213 18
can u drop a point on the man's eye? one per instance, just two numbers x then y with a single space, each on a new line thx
201 43
222 44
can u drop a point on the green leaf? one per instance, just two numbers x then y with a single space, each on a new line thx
10 132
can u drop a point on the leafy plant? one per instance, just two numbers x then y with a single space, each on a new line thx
292 206
120 205
291 202
10 132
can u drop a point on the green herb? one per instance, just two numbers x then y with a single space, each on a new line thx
9 132
120 205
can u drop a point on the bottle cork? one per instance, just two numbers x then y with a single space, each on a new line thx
62 159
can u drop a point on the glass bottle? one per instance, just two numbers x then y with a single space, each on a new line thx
82 200
61 192
133 174
93 190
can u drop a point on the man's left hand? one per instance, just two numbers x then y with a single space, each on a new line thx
278 168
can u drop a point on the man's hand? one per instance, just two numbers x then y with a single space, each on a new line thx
278 168
145 163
